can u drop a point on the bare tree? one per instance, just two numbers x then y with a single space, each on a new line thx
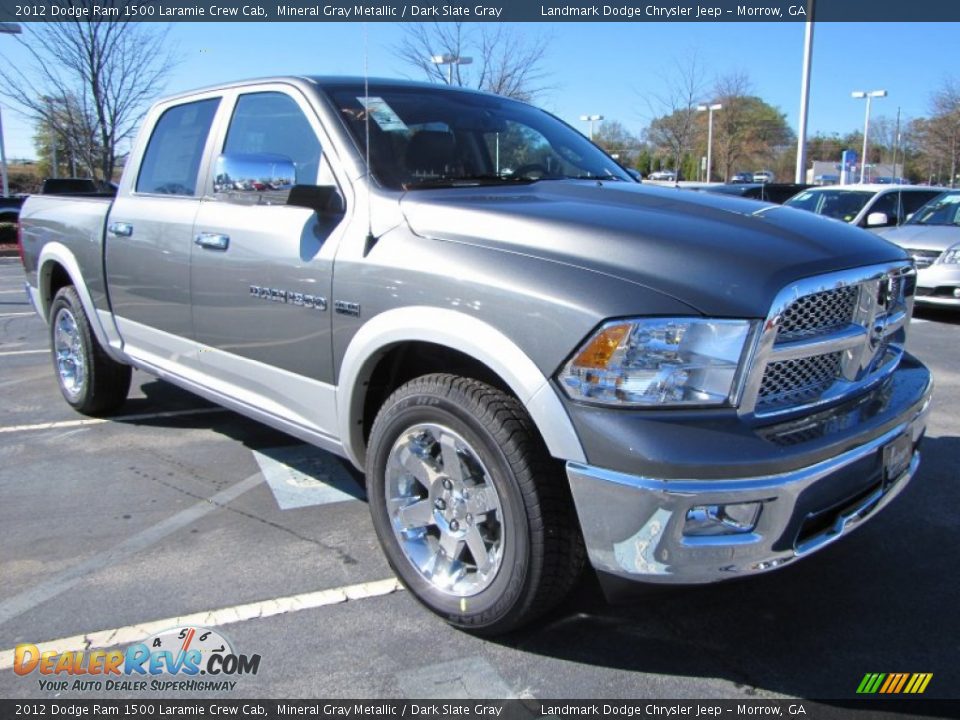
505 62
675 126
89 82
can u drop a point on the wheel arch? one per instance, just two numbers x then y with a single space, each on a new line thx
57 267
473 343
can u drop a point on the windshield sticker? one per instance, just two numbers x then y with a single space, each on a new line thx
382 114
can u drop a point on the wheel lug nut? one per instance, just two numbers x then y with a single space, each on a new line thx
439 504
469 519
454 525
447 484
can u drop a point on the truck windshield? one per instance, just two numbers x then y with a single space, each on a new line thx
421 138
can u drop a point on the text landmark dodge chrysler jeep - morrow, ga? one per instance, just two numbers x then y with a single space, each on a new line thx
534 359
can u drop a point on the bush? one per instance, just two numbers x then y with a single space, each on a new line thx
8 233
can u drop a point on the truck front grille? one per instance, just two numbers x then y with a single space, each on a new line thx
828 338
818 313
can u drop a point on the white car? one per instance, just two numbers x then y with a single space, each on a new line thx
867 206
666 175
763 176
932 237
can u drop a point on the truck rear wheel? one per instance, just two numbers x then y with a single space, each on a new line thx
90 381
473 514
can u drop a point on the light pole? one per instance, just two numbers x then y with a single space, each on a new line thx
860 95
450 60
709 110
591 119
8 29
801 169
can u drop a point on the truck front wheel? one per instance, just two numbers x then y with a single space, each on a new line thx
473 514
90 381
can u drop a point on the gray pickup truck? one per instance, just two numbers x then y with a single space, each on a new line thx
535 360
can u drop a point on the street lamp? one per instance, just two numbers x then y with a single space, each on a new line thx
860 95
591 119
451 60
709 110
7 29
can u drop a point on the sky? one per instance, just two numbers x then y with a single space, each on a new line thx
613 69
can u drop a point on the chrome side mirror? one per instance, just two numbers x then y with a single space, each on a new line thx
257 179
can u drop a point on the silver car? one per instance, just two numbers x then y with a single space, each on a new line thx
932 237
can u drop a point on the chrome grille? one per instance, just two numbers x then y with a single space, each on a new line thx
923 258
799 381
817 313
828 337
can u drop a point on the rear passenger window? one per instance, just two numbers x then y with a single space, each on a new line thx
171 162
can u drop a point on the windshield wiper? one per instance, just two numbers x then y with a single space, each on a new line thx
465 181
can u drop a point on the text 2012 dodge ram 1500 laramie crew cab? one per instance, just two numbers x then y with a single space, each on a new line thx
534 359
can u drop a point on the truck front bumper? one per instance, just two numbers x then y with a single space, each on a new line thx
652 528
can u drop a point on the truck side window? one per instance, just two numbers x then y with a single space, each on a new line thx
171 162
271 122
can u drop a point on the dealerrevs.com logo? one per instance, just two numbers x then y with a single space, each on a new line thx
186 659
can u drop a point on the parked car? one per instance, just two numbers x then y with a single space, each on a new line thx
866 206
742 177
932 237
826 179
10 208
664 175
533 371
763 176
768 192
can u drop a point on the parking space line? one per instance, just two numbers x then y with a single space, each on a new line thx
8 292
63 581
214 618
23 314
116 419
23 352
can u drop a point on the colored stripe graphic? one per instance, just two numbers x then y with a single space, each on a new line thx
894 683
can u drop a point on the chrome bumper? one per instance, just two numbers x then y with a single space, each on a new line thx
634 526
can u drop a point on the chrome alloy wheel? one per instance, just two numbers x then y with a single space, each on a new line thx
444 509
68 348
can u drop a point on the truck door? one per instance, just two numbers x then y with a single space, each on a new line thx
150 232
261 268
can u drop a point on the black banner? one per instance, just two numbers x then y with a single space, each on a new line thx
639 11
475 709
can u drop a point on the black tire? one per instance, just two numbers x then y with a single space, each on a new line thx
89 380
533 533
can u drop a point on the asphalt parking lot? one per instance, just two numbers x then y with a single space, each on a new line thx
113 530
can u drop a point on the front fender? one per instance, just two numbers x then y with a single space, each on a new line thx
463 333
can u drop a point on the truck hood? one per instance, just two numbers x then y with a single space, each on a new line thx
724 256
924 237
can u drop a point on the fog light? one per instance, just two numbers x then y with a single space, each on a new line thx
956 292
721 519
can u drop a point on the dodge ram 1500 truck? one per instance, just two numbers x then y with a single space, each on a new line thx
535 360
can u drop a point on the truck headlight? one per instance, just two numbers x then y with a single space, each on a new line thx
951 256
659 362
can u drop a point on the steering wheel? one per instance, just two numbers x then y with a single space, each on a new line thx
525 170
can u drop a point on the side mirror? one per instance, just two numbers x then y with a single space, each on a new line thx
877 219
258 179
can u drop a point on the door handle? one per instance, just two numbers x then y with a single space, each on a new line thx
120 229
212 241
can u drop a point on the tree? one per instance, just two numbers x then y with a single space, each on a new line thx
675 129
617 140
746 130
89 82
505 62
938 137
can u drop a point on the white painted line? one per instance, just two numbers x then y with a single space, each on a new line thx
63 581
8 292
23 314
215 618
23 352
119 419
